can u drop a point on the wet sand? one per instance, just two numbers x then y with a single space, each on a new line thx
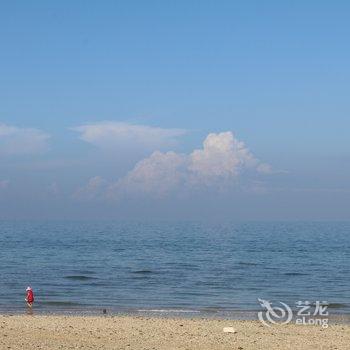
132 332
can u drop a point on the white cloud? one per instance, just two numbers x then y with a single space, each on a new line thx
221 158
216 165
114 135
92 190
265 169
22 141
158 175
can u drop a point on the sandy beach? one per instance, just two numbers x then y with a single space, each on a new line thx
132 332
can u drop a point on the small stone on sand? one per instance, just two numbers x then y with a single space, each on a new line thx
229 330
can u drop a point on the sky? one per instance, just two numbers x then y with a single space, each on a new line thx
233 110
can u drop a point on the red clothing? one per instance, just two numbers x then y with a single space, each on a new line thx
30 296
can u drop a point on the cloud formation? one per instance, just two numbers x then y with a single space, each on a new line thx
16 141
113 135
221 158
217 165
92 190
157 175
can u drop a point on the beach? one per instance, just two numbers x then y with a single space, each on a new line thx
134 332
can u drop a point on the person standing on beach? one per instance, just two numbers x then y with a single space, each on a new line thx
30 297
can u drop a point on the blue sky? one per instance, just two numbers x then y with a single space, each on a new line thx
161 76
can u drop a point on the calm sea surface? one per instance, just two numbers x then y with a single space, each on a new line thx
187 266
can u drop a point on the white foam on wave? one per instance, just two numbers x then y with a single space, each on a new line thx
169 310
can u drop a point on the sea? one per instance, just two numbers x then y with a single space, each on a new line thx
203 268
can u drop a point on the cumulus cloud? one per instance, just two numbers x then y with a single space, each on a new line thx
158 175
92 190
22 141
221 160
112 135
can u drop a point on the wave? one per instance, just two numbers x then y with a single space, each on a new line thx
61 303
143 272
247 263
169 311
296 274
79 277
337 306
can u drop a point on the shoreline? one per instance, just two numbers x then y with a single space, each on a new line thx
245 315
334 318
142 332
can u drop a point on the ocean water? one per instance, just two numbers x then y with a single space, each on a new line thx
173 266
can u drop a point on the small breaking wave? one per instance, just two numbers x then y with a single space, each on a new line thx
169 311
79 277
143 272
247 263
337 306
296 274
61 303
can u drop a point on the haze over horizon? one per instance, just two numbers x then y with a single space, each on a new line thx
157 110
